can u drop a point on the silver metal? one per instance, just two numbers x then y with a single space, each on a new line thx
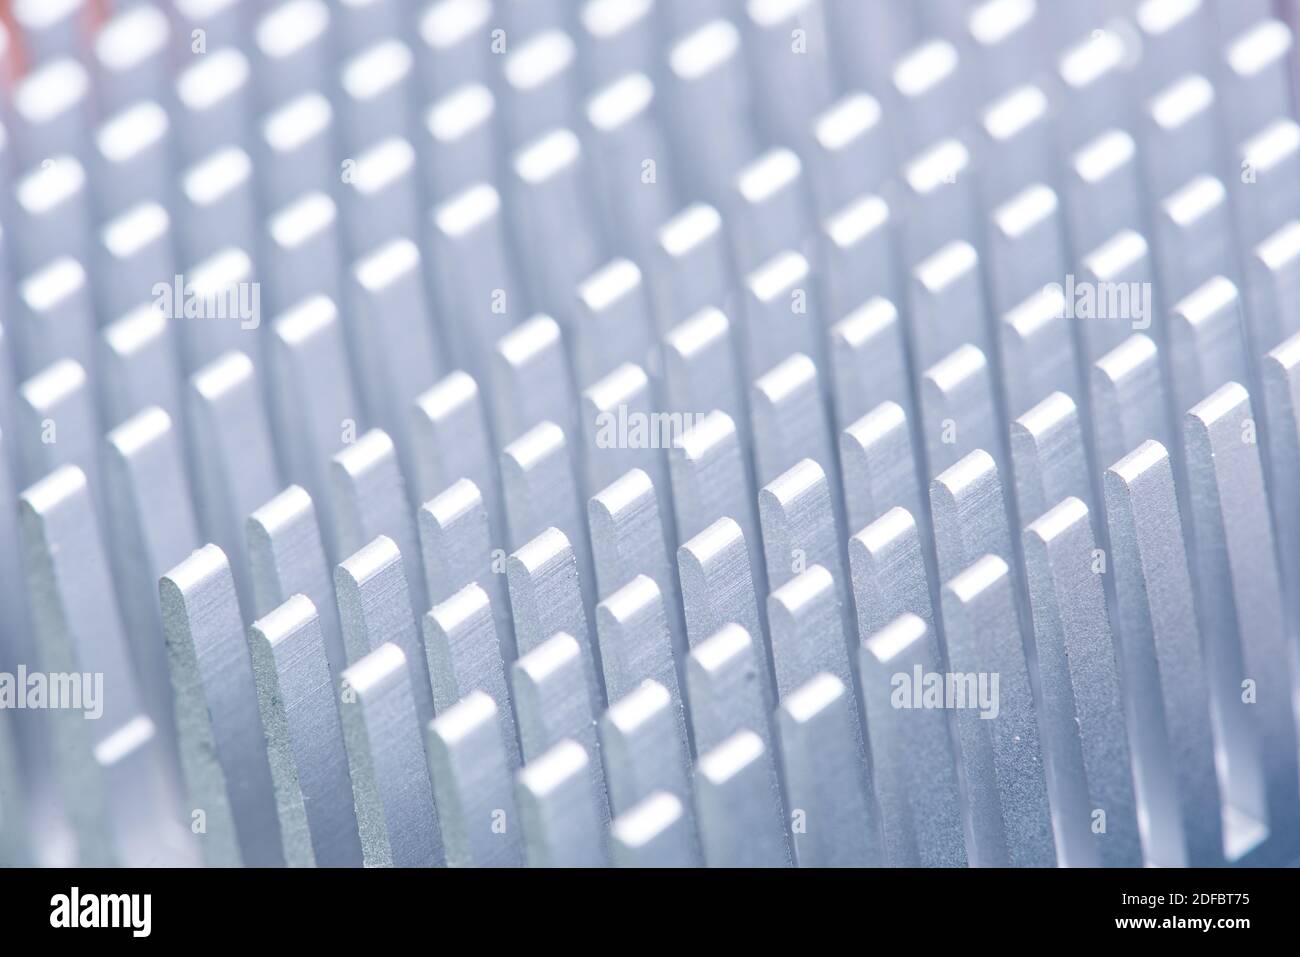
217 206
541 492
789 57
880 471
314 404
233 462
636 648
966 505
392 339
1006 43
828 786
848 152
1250 656
1194 232
689 266
616 37
55 419
1128 399
452 443
621 432
643 747
1257 81
55 318
152 527
1082 714
627 539
293 52
1278 374
1122 264
798 525
947 304
808 637
868 361
1091 82
1271 269
77 627
780 314
368 497
718 588
1016 140
889 575
631 159
739 813
459 141
767 209
471 784
554 704
51 107
295 149
222 740
710 99
1102 190
50 28
1038 355
1179 134
557 810
699 367
303 249
728 681
133 254
1268 183
530 380
298 703
654 833
396 817
1176 36
223 291
710 482
286 558
1166 682
464 656
859 258
131 162
131 55
381 196
540 83
611 321
958 413
1008 818
545 598
913 764
361 23
376 92
477 281
1049 458
940 202
458 550
374 609
555 219
790 423
1207 342
222 21
928 94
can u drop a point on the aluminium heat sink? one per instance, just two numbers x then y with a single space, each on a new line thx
649 432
